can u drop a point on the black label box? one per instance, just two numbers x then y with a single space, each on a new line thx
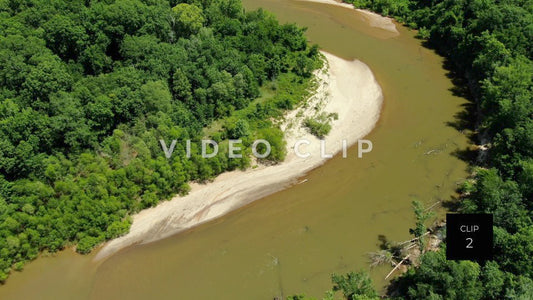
469 237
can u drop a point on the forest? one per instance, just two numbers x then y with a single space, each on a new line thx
488 49
88 88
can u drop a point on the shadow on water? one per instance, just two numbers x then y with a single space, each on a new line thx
452 205
465 121
384 243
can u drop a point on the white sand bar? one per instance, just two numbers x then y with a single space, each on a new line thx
345 87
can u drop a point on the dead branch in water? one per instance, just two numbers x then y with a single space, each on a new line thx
413 240
434 204
381 257
397 266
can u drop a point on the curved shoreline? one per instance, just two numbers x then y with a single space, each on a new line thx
373 19
348 88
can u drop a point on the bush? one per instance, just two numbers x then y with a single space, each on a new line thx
320 126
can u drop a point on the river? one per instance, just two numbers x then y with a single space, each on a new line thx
292 241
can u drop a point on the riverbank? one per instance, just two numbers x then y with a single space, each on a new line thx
373 19
347 88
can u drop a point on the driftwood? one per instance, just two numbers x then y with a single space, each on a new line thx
397 266
434 204
411 246
412 240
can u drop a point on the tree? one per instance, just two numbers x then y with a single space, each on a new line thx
156 97
64 37
354 286
187 19
507 95
181 87
491 194
437 278
422 216
238 130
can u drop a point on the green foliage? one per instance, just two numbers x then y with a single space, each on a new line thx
277 144
320 125
514 251
317 127
491 194
187 19
354 286
437 278
254 121
87 90
239 129
422 216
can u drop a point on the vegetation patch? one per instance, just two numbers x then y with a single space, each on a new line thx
320 125
88 88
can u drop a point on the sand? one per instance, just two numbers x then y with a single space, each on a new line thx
347 88
373 19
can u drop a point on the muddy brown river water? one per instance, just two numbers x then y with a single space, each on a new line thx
292 241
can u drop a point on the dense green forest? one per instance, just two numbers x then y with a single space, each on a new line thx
488 46
88 88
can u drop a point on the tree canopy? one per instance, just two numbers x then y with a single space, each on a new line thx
88 88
